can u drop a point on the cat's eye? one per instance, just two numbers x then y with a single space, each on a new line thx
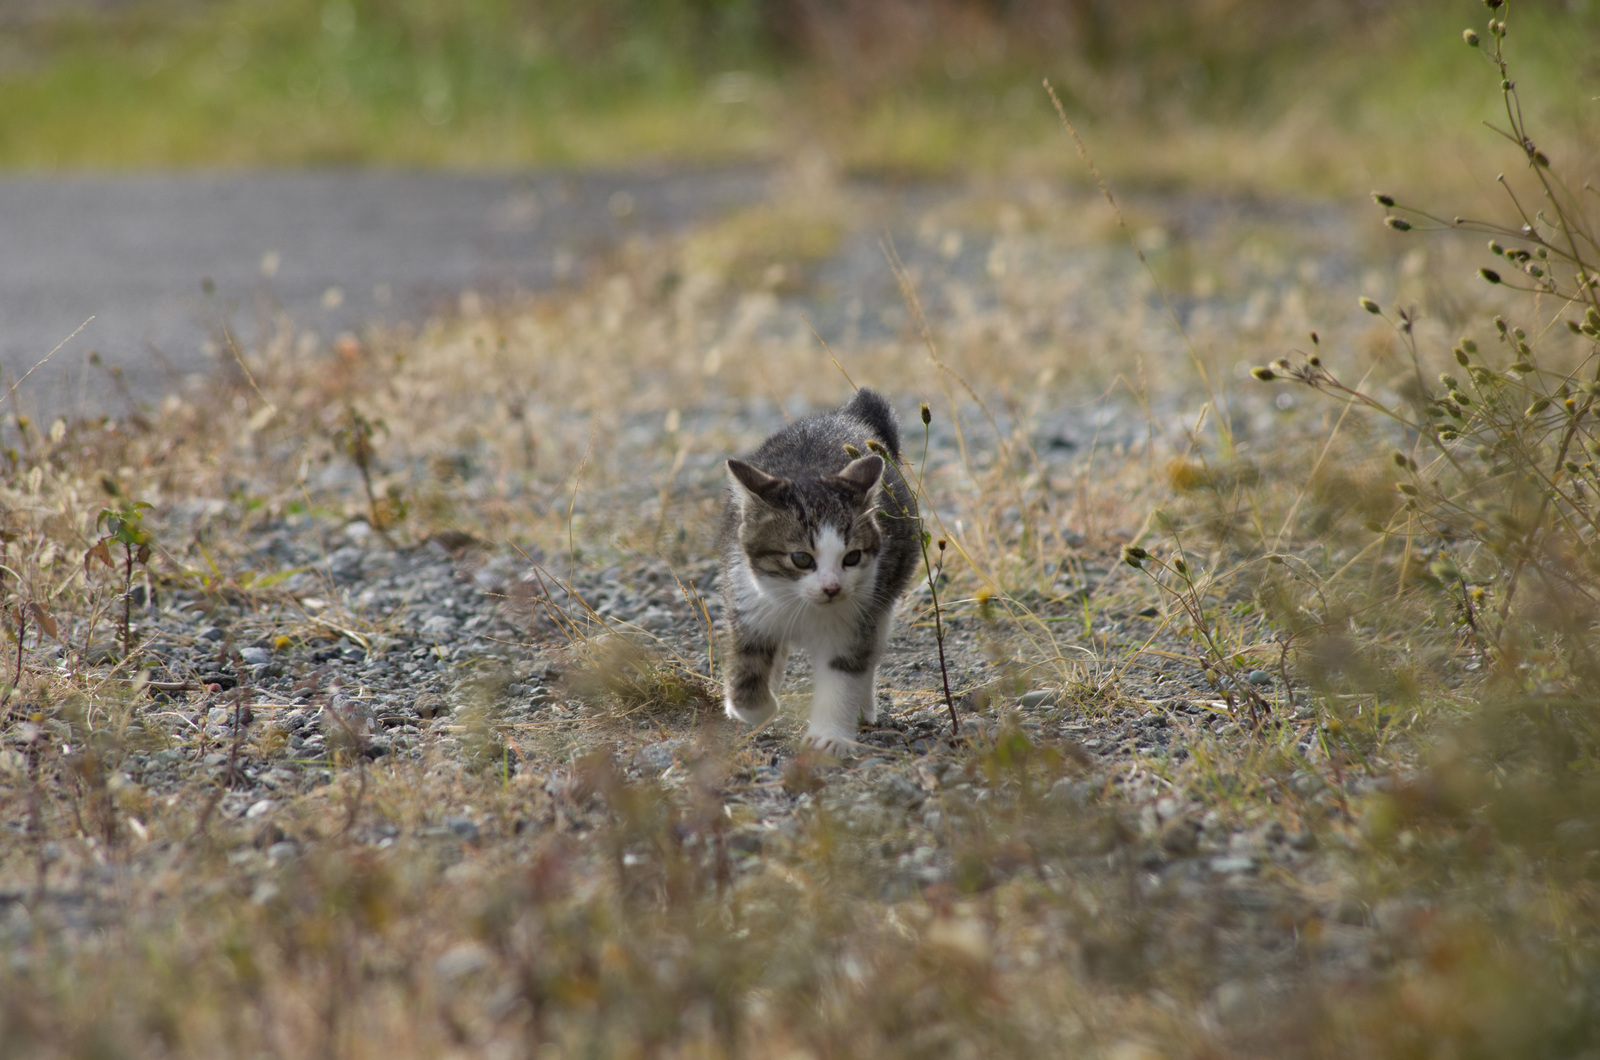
852 557
802 560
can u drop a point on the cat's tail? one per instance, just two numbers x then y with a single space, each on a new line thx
871 409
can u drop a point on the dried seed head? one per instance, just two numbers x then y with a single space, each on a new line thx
1314 339
1461 356
1263 373
1399 458
1493 5
1468 345
1496 249
1381 199
1373 525
1370 306
1574 327
1407 488
1180 566
1592 316
1471 37
942 544
1314 361
1490 275
1134 556
1539 405
927 414
1500 325
877 447
1399 224
1518 334
1460 399
1448 380
851 451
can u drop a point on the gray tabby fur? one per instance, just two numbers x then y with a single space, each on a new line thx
816 547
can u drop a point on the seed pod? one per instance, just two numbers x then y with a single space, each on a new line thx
1574 327
1496 249
1370 306
1468 345
1449 380
1460 399
1381 199
1398 457
1263 373
927 414
1407 488
1134 556
1461 356
1471 37
1592 316
1538 406
1399 224
1490 275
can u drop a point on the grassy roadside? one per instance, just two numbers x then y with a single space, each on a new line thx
1271 97
1308 768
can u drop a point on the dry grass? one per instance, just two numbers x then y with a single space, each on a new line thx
1278 795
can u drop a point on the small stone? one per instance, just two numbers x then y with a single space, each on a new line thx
1232 864
212 633
259 809
283 850
653 759
464 828
1258 677
1039 697
256 656
1303 840
896 790
430 705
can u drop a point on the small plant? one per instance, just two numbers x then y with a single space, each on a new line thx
123 526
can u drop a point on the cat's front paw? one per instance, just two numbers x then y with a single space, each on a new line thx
837 744
757 711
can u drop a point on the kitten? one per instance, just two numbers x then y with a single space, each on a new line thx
817 543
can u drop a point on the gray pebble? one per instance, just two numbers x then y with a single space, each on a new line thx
463 827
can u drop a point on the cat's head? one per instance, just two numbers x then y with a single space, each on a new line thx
815 537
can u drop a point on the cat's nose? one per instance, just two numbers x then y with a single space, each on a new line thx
831 590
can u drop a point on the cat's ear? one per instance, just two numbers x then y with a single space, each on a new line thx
758 482
862 474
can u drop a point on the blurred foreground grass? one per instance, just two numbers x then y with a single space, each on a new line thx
1312 766
1263 94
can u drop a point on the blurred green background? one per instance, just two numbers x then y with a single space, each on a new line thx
1315 95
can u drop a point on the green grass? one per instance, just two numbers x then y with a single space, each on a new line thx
1270 96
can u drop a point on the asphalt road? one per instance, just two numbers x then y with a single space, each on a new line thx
162 261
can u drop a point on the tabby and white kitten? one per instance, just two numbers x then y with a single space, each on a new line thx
818 541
